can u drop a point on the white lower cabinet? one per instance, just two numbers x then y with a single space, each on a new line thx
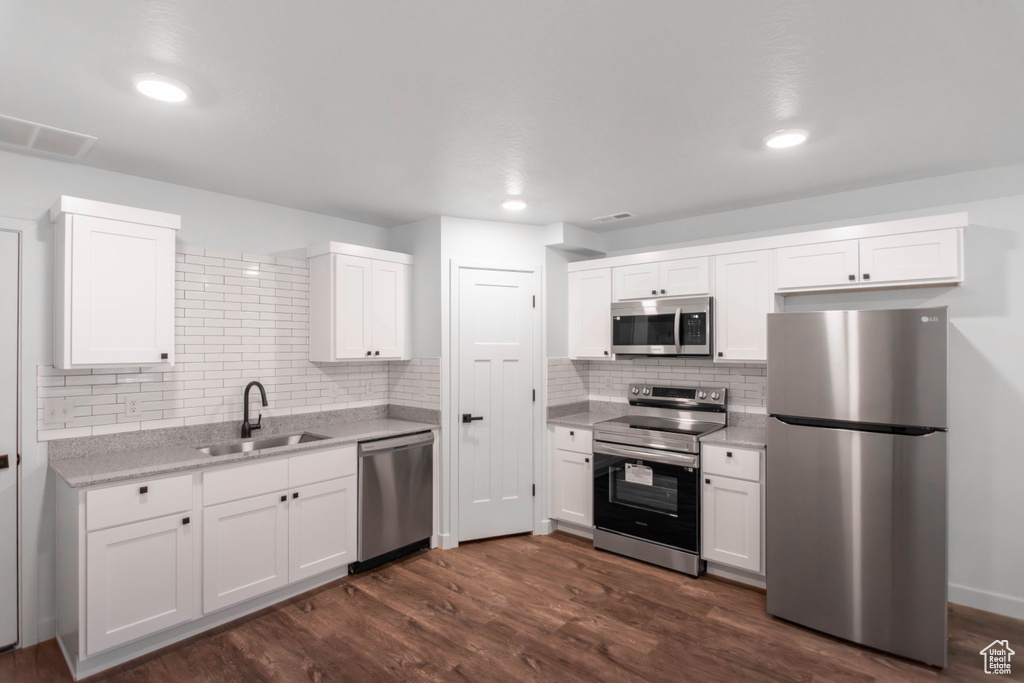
322 527
127 568
732 504
572 478
139 580
732 522
245 549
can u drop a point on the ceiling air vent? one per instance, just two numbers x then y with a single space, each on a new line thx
613 217
46 139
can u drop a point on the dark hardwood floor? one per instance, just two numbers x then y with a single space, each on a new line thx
518 608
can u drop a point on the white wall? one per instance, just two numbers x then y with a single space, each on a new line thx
986 380
208 219
423 240
29 187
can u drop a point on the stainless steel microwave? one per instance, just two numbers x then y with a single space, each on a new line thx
663 327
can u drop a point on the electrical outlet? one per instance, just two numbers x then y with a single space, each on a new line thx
57 411
131 405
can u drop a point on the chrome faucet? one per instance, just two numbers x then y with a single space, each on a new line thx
247 429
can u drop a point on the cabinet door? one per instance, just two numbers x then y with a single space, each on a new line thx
637 282
590 318
743 299
572 487
322 527
932 255
684 277
245 549
352 306
139 580
388 294
830 264
122 284
731 524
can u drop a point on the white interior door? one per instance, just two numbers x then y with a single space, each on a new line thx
495 348
9 266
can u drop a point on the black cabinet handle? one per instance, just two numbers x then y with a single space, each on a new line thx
663 291
728 454
586 459
368 353
606 353
866 276
572 433
376 353
143 489
719 354
853 278
707 481
468 417
4 462
284 498
295 495
185 521
163 356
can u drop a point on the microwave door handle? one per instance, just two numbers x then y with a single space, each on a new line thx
675 329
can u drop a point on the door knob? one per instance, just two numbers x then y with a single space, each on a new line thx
468 417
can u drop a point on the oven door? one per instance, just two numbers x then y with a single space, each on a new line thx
654 496
668 327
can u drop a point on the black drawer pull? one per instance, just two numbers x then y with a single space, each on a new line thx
707 481
720 354
143 489
606 353
586 459
654 291
186 521
853 278
163 356
5 462
295 495
728 454
284 498
663 291
866 276
572 433
368 353
376 353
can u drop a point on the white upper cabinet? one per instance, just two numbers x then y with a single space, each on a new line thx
359 304
743 299
590 321
681 277
830 264
911 257
114 290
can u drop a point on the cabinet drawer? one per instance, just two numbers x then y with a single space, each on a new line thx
572 439
244 481
726 461
310 468
137 501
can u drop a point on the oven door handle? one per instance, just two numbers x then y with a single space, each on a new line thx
675 329
640 454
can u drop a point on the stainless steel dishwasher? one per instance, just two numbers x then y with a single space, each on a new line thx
396 498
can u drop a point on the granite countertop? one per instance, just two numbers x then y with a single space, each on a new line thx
740 437
121 465
578 420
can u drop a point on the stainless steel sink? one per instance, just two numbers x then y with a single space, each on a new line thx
260 444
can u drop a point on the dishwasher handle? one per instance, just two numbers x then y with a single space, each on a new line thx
409 441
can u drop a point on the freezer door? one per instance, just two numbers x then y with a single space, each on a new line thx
856 536
882 367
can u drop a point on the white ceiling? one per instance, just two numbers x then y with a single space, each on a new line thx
388 112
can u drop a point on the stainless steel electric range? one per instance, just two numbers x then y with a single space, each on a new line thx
647 474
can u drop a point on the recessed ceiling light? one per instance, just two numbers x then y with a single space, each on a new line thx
513 204
161 88
786 138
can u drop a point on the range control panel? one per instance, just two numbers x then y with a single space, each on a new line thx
648 394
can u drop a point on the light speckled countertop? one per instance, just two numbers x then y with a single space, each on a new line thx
107 467
740 437
579 420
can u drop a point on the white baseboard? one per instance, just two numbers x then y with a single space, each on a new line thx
446 542
1007 605
46 628
738 575
545 527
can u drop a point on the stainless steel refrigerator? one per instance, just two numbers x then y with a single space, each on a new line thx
856 476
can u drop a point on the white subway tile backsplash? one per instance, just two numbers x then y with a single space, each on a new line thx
238 317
